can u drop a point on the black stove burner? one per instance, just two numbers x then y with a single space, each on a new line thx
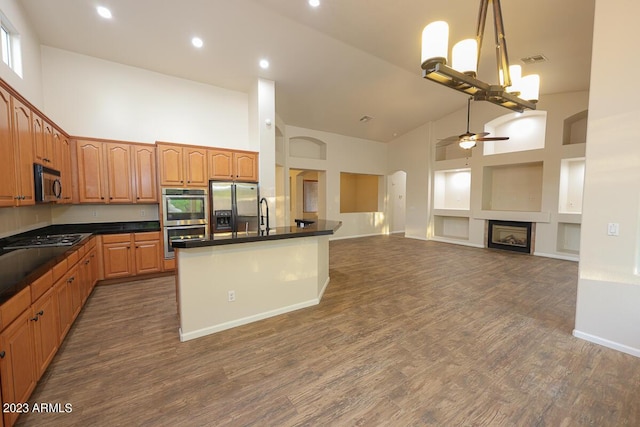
46 241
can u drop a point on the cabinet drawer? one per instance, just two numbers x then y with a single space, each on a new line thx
72 259
116 238
42 285
10 310
148 235
59 269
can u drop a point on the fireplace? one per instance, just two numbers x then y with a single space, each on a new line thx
510 235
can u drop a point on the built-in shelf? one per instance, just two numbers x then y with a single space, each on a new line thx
451 227
451 152
514 187
526 131
513 216
452 189
568 238
575 128
571 185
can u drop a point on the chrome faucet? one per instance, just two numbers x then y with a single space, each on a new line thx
262 216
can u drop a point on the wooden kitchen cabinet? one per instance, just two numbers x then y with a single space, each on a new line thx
17 363
62 291
131 254
233 165
119 172
148 252
182 165
91 180
116 172
46 323
16 147
65 168
145 173
117 255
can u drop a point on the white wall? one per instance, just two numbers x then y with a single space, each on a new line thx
345 154
91 97
411 153
30 85
608 306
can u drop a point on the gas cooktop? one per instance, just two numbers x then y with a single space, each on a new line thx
50 240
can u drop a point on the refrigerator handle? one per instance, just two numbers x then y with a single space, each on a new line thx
234 209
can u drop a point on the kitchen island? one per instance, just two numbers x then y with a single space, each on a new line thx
231 279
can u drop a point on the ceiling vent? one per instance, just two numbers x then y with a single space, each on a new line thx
365 119
535 59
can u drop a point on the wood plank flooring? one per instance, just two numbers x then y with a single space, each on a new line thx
408 333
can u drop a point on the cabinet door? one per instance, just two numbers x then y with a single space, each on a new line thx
148 253
62 291
245 166
65 169
119 173
17 363
171 165
37 133
73 283
196 167
24 148
220 164
8 152
145 173
49 151
90 172
117 256
45 318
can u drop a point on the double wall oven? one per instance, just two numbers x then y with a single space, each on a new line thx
184 215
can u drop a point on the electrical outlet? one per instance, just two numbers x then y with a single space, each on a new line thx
231 296
94 213
142 212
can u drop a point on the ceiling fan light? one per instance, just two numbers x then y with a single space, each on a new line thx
530 87
467 144
435 42
464 57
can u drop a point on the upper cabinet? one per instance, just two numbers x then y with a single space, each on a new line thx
233 165
144 162
114 172
16 177
182 165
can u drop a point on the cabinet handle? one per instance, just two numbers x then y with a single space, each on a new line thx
35 319
2 354
86 262
40 313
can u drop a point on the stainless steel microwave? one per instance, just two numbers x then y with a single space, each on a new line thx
48 186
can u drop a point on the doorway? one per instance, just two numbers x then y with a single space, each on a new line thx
307 189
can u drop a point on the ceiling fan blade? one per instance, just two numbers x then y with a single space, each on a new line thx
477 136
493 138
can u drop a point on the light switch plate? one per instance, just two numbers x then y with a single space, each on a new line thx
613 229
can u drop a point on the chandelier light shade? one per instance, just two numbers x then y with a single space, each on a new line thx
530 87
513 91
464 57
435 42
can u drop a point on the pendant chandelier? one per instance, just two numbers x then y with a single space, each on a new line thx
515 92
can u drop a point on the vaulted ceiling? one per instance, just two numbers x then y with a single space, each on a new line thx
332 64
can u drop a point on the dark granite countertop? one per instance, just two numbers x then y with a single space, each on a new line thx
20 267
319 228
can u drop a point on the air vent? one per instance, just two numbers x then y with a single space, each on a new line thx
365 119
535 59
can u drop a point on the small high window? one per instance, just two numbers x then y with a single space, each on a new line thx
10 45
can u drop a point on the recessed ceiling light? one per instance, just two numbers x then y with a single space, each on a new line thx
104 12
314 3
197 42
264 64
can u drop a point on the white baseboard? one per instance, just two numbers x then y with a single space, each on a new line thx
456 242
324 287
245 320
556 256
356 236
607 343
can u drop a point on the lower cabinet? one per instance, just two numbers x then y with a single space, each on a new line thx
17 363
130 254
35 321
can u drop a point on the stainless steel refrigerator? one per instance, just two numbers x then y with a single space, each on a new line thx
234 206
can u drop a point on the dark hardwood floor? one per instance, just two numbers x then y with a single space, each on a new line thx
408 333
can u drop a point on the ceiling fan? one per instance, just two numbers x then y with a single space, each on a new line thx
468 139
